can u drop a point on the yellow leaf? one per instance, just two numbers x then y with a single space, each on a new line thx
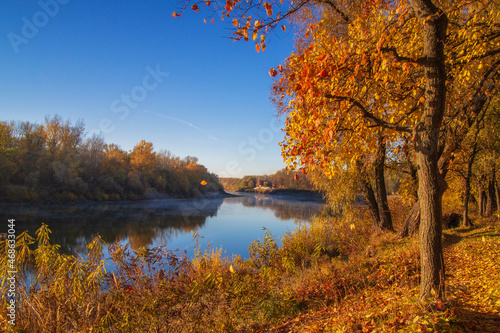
203 183
231 269
254 35
283 28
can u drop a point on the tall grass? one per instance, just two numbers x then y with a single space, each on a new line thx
160 290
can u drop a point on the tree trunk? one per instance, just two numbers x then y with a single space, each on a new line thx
383 206
431 183
372 203
497 192
465 220
481 205
412 222
490 194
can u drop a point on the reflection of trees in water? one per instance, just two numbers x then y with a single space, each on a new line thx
145 234
74 226
284 209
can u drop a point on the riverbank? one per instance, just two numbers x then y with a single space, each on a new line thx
299 195
332 276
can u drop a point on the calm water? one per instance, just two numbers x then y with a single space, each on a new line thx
231 222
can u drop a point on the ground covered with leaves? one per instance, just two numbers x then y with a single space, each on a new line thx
329 276
472 259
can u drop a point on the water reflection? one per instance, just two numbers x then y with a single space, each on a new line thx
285 207
154 222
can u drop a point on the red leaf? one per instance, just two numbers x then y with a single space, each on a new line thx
194 7
296 177
273 72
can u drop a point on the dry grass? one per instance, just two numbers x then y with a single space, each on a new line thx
322 279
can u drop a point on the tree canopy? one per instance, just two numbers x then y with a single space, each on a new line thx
405 73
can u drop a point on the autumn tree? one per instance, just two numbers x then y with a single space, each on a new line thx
390 68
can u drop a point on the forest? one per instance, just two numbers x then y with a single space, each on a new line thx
54 162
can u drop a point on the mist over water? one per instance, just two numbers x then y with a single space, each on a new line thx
228 222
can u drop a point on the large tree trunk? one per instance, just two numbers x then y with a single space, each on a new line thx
383 206
431 183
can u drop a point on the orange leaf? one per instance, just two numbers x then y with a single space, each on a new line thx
212 21
280 68
235 22
296 177
273 72
208 3
283 28
194 7
257 48
174 14
203 183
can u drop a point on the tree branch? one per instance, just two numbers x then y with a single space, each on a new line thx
336 9
394 52
368 115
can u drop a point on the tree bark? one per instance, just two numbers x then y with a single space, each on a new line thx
372 203
466 222
383 206
497 192
490 194
412 222
481 205
431 183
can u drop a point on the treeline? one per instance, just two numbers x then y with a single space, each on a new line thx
282 179
54 162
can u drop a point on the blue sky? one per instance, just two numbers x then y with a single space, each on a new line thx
132 71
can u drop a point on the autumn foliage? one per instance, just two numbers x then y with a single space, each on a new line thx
54 162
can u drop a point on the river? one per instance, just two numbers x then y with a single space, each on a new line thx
229 222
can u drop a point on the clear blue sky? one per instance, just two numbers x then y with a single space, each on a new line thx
131 70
